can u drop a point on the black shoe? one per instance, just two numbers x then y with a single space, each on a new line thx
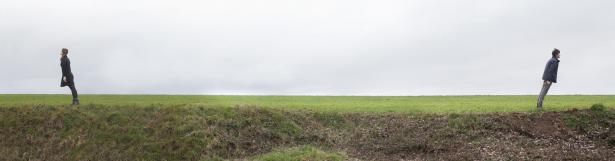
75 101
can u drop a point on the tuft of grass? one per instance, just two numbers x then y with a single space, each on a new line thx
331 119
304 153
580 122
465 122
597 107
275 122
278 123
597 122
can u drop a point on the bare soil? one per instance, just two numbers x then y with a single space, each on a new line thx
499 136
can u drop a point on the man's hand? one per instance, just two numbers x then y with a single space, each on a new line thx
548 82
64 79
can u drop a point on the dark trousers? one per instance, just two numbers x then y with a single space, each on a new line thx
73 91
543 93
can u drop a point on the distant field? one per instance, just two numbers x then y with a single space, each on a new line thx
405 104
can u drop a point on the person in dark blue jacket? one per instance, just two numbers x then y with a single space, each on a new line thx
549 76
67 75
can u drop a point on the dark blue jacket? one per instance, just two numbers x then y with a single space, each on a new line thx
550 73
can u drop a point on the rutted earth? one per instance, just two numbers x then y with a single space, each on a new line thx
503 136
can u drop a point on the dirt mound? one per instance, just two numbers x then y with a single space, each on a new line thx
503 136
159 132
536 125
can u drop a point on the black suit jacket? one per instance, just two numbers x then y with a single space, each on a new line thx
66 72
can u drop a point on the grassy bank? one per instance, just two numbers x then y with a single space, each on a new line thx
197 132
410 104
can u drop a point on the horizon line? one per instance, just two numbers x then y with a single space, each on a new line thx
307 95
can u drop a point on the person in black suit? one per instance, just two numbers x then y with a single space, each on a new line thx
67 76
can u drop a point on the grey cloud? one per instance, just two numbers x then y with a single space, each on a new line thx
390 47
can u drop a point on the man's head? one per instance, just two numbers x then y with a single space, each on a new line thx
555 53
64 51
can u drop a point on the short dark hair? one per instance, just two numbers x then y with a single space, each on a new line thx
64 51
555 52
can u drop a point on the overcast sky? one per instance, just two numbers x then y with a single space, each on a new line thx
311 47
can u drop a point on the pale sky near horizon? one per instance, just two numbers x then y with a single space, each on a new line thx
307 47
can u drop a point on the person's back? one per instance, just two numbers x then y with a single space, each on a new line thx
549 76
550 73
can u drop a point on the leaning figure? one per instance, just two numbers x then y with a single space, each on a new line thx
549 76
67 76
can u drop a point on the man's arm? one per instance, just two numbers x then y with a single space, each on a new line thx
63 64
553 72
546 75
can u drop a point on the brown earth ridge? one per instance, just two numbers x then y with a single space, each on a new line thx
187 132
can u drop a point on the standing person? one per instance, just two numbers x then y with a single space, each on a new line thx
67 75
549 76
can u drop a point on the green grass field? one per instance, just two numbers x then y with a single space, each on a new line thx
405 104
280 128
